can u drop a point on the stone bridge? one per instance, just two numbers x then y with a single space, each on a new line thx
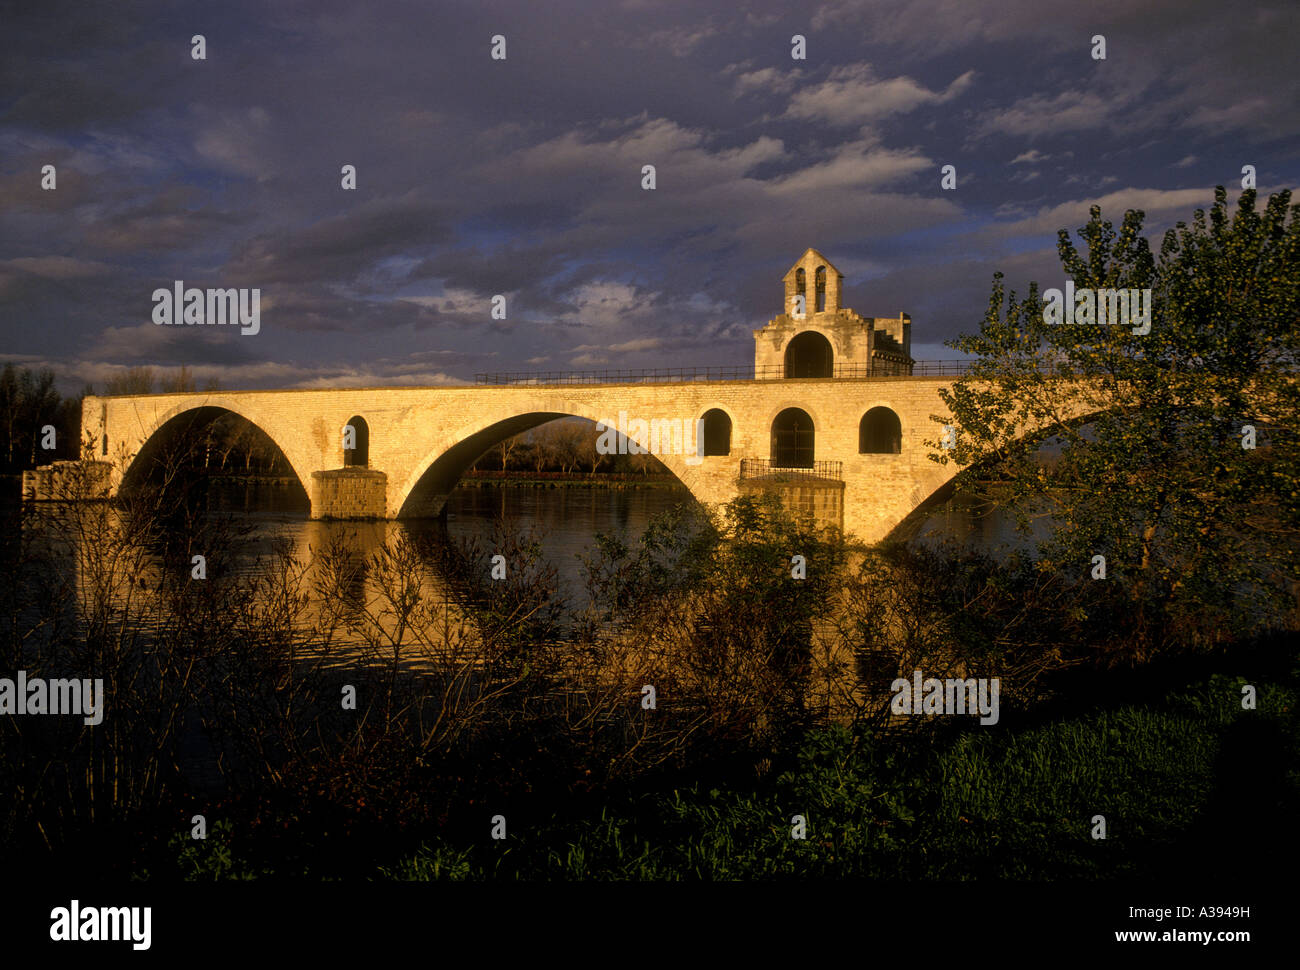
421 440
834 418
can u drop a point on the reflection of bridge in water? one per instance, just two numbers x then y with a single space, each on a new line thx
329 578
835 412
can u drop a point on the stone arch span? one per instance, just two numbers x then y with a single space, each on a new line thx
425 490
167 432
936 485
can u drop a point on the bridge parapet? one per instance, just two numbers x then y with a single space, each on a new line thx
878 370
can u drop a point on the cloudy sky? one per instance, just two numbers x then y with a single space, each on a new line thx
522 176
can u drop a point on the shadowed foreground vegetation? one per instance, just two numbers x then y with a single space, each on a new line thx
772 700
1190 785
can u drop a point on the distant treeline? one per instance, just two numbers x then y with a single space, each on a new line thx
567 446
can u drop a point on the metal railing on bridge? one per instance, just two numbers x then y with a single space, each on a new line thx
669 375
826 471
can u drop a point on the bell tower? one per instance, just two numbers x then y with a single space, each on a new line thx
817 281
816 336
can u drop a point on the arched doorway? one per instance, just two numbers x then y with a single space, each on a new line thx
880 433
717 432
356 433
809 355
793 439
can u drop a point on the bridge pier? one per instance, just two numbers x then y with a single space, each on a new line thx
68 480
349 493
817 493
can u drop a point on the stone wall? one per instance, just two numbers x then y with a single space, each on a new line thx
64 480
822 502
349 493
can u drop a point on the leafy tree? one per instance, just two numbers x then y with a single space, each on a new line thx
1199 530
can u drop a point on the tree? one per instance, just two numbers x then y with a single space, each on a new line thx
1199 532
645 463
133 380
182 382
29 402
10 408
503 450
540 452
570 442
584 442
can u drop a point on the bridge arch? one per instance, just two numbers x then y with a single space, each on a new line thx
936 485
435 475
188 420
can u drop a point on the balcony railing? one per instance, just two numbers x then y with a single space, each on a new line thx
773 372
826 471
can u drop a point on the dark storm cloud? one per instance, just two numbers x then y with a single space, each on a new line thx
522 177
343 246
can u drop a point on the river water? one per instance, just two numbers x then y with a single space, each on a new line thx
564 520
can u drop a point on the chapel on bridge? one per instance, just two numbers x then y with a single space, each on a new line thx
817 337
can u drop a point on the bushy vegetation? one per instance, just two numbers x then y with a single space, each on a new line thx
477 697
1169 452
1016 805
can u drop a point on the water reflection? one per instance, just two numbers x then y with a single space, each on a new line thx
352 584
565 522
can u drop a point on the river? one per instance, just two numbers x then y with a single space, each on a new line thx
564 520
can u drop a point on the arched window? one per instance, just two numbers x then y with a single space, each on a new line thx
357 434
717 432
821 289
793 444
880 433
801 290
809 355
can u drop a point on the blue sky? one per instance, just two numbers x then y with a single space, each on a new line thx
522 177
